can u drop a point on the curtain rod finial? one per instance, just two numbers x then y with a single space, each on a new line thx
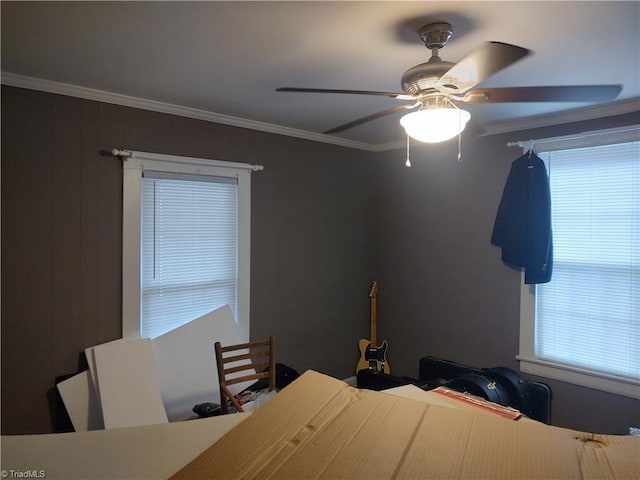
120 153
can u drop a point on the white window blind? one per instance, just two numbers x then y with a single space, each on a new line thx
186 241
588 316
189 249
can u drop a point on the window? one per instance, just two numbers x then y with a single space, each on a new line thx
583 327
186 226
189 249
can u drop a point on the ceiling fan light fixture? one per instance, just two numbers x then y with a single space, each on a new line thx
433 125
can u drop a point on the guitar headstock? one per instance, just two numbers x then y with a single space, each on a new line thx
373 293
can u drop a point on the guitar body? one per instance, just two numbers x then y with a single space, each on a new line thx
372 356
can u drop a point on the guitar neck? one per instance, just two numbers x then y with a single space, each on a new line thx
374 313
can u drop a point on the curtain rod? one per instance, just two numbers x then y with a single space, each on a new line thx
522 143
610 132
126 154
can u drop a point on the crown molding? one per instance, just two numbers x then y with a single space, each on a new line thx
524 123
32 83
592 112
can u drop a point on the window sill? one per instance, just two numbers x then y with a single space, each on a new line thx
608 383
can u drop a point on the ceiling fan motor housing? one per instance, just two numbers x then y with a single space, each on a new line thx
421 79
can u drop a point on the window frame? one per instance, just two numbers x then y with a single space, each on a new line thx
531 364
134 164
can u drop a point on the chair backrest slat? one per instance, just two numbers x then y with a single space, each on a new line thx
258 362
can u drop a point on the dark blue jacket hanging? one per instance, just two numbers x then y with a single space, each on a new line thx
523 222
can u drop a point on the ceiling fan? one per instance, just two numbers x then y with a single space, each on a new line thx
437 87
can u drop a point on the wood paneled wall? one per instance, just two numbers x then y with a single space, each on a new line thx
444 290
325 220
62 239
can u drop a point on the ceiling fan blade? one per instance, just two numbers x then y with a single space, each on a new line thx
480 65
576 93
399 96
368 118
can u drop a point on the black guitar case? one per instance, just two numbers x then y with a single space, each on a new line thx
533 399
435 372
512 382
500 385
481 386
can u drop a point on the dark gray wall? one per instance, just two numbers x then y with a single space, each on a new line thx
325 220
444 291
62 239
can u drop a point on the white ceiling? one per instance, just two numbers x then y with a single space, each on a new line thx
228 58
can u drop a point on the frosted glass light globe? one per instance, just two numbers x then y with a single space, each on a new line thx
435 125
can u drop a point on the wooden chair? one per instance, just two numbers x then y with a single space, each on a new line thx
261 364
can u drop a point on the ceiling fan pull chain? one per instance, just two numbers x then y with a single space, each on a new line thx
460 147
408 162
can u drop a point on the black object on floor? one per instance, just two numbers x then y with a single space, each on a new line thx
284 376
206 409
374 380
501 385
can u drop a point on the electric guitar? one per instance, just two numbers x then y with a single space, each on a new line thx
371 355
